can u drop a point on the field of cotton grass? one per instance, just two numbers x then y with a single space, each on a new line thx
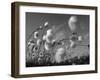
52 49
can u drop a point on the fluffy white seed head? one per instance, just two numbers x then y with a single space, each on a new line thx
44 37
49 32
72 44
48 38
46 24
47 46
73 23
49 35
39 42
59 53
36 35
79 38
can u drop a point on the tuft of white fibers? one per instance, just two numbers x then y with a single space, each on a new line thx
72 44
46 24
44 37
58 55
48 39
72 23
36 34
47 46
49 35
39 42
79 38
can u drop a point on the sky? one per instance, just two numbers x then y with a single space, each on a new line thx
34 20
